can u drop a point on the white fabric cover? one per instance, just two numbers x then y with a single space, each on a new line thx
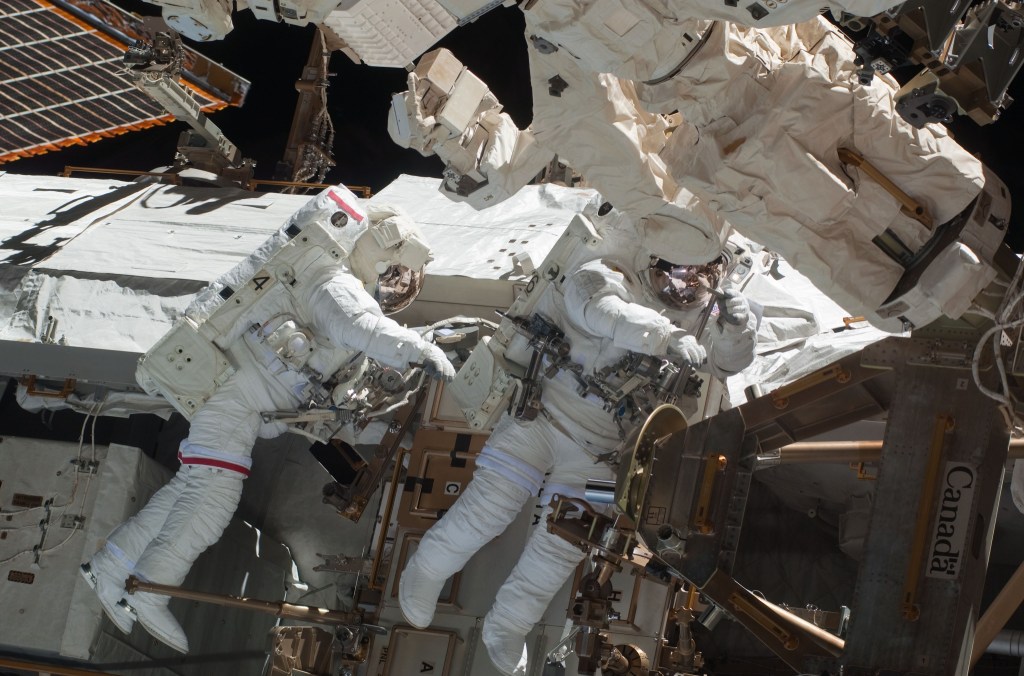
767 111
762 113
599 312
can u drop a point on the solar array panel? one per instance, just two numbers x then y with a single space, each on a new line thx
60 83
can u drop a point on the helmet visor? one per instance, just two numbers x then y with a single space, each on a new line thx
684 287
397 287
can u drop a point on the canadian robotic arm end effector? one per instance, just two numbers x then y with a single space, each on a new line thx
449 112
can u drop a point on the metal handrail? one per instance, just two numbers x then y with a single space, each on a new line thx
362 190
68 170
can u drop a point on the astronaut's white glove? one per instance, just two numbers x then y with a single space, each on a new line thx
734 310
436 364
687 347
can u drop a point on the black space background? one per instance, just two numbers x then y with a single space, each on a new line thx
271 56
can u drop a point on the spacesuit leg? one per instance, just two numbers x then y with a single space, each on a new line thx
488 505
545 565
215 461
504 480
108 568
196 521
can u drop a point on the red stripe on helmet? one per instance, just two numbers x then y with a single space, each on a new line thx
351 211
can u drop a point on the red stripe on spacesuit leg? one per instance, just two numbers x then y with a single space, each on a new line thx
351 211
210 462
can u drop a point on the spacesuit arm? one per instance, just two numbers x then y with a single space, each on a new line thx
597 301
349 316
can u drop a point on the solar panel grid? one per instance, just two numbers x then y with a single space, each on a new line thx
39 26
41 94
35 129
36 59
83 115
38 128
48 24
72 115
31 59
116 110
15 136
60 83
16 30
16 6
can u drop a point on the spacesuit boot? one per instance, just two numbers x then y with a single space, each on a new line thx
489 504
155 617
105 574
418 591
197 519
506 644
545 565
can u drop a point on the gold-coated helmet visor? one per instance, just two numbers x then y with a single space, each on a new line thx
397 288
684 287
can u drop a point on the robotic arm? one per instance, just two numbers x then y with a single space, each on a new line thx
155 67
449 112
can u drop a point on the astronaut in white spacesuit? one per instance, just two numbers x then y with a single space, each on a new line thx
291 340
606 308
679 117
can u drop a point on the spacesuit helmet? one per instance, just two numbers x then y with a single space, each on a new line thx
389 258
683 287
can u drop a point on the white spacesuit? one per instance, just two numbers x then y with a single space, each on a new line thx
311 321
605 310
762 116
